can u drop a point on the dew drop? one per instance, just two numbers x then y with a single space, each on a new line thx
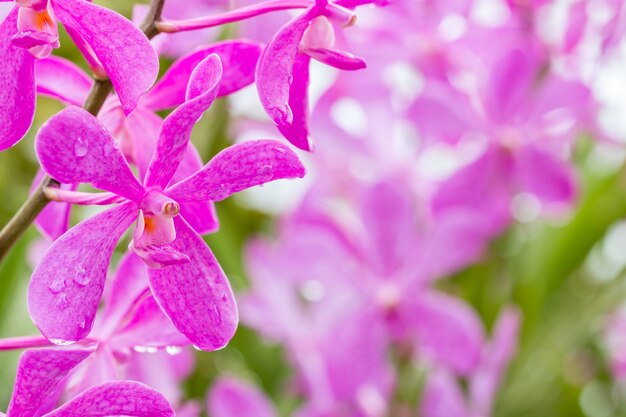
224 297
80 147
116 144
173 350
61 342
80 276
140 349
197 348
290 79
57 285
281 113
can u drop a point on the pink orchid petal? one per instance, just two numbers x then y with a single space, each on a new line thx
275 70
447 330
74 147
196 296
297 131
509 83
17 86
128 285
498 353
63 80
239 59
177 127
443 397
337 59
482 187
389 216
126 398
230 397
38 373
148 327
237 168
66 287
126 54
550 179
200 215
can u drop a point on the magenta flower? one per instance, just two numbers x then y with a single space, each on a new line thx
137 132
230 397
283 71
30 31
39 383
185 278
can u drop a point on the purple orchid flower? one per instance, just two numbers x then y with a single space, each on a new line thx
185 277
137 132
29 32
283 71
40 374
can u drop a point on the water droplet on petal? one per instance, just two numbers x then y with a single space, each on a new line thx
57 285
197 348
80 276
140 349
290 79
281 114
61 342
116 144
173 350
224 297
80 147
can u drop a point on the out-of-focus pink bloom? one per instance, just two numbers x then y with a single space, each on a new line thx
230 397
29 32
443 396
40 373
615 341
185 277
525 125
365 285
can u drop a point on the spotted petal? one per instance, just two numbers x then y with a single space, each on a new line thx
74 147
237 168
126 54
196 295
38 373
126 398
17 86
67 285
176 129
238 58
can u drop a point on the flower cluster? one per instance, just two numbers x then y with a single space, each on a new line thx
428 141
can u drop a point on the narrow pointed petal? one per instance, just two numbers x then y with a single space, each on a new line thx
550 179
443 397
38 373
74 147
61 79
196 295
237 168
297 131
200 215
126 54
177 127
17 86
447 331
230 397
126 398
239 59
275 71
337 59
66 287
